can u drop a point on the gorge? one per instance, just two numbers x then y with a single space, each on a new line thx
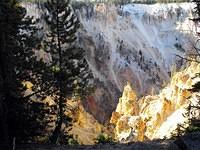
138 44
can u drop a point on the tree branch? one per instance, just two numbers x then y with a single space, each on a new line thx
198 107
28 96
191 60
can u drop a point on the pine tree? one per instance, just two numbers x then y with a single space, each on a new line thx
194 120
18 38
197 9
11 22
68 64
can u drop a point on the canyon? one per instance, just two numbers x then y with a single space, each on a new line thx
136 43
132 50
157 116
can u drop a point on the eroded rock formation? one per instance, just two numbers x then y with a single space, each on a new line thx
85 127
133 43
156 116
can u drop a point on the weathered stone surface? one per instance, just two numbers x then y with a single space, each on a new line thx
127 103
85 127
154 117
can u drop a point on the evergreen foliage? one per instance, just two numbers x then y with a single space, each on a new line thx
192 109
103 138
193 124
197 9
194 120
17 38
70 72
27 81
123 2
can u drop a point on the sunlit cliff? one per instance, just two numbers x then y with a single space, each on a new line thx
155 116
136 43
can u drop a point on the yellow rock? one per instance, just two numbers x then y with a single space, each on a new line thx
85 127
114 118
141 126
128 102
27 84
48 100
136 120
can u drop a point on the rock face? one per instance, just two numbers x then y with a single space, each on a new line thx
135 43
156 116
127 103
85 127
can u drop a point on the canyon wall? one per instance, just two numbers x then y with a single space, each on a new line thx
135 43
156 116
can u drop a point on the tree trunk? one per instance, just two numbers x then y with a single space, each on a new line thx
55 136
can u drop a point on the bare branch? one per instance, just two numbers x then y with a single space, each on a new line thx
197 107
197 50
187 59
39 91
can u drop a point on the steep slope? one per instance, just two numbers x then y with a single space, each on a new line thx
156 116
135 43
85 127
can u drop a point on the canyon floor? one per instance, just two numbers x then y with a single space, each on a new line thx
187 142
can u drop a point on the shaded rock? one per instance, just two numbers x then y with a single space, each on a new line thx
189 142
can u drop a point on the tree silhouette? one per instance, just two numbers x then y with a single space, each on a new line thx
69 66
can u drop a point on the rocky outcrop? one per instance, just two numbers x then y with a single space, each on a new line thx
132 43
156 116
85 127
128 102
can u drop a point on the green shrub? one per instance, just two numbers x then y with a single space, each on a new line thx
103 138
191 129
72 141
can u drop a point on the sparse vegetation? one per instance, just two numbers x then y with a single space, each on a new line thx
103 138
179 47
46 62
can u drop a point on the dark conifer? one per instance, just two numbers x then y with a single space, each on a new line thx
68 64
